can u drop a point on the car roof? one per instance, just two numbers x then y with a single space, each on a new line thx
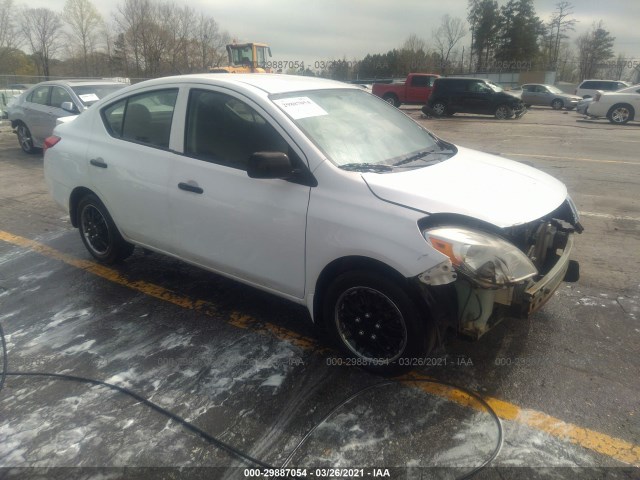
77 83
631 89
267 82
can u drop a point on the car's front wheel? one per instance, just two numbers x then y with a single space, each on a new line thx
557 104
621 114
25 139
375 323
503 112
99 233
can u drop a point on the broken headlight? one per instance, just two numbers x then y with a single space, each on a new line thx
485 259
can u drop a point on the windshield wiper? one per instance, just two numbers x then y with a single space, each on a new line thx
421 155
367 167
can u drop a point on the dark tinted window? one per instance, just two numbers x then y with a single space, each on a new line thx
452 85
421 81
225 130
590 85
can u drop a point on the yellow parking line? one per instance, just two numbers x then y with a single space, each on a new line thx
560 157
598 442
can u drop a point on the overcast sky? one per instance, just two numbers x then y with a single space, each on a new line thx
313 30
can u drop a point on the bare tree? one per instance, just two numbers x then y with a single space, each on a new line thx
413 54
594 48
211 42
448 34
84 23
41 29
558 27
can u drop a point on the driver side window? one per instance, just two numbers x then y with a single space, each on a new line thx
222 129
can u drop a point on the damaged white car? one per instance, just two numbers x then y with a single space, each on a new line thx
322 194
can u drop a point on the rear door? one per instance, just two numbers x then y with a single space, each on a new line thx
130 164
36 113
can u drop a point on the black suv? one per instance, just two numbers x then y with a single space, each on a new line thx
472 95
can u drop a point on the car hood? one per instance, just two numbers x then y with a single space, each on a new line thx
486 187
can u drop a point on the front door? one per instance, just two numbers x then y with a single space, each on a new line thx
252 229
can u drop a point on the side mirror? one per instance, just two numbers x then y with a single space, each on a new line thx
69 107
269 165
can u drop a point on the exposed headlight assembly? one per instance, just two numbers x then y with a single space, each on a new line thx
484 258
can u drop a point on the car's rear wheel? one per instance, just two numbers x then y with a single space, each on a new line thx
99 233
621 113
557 104
25 139
375 323
392 99
503 112
439 108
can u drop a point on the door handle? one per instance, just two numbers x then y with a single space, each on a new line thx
190 187
98 162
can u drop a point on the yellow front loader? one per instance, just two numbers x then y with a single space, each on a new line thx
246 58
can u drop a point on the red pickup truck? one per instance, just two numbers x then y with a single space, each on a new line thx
414 90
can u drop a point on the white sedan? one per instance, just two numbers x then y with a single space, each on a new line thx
323 194
619 107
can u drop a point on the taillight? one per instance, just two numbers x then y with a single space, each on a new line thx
49 142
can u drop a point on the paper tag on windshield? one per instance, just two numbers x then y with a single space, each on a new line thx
300 107
89 97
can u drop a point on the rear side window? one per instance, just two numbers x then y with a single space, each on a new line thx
145 118
40 95
589 85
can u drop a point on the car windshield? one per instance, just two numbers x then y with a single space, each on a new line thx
553 89
495 87
355 128
90 94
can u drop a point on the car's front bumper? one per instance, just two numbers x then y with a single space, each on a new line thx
536 295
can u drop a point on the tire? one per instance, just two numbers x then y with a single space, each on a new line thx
99 233
392 99
503 112
557 104
25 139
621 113
375 324
440 108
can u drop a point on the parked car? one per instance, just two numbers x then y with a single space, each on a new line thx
588 88
33 114
20 86
619 107
414 90
548 96
451 95
323 194
7 97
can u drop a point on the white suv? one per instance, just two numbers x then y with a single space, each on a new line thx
588 88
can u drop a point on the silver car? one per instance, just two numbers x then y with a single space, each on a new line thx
548 96
34 113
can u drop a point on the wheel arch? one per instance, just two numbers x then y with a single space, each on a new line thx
356 262
74 199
